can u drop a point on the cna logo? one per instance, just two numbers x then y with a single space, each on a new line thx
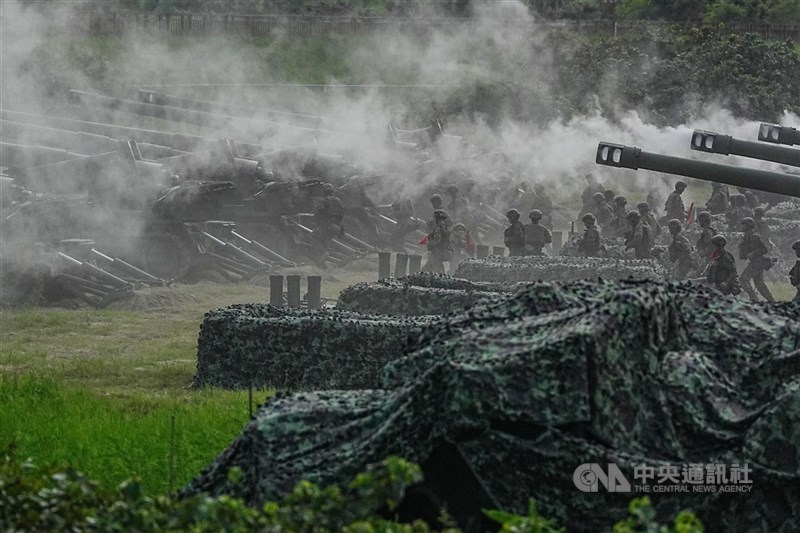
588 475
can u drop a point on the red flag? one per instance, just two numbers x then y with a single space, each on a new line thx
424 240
690 218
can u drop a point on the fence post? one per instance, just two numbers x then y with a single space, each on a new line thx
314 291
499 250
276 290
483 251
415 264
400 265
293 290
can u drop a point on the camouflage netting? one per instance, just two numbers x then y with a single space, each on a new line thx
557 375
418 294
516 269
284 348
785 210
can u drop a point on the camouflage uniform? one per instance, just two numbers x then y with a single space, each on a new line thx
439 248
762 228
647 216
704 245
459 244
721 272
514 237
639 238
674 206
619 221
602 212
536 236
589 245
458 208
680 253
587 196
543 203
719 203
754 249
738 212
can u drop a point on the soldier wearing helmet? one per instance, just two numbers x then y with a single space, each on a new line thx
601 211
436 203
619 220
707 231
587 196
719 203
794 273
438 242
762 228
536 235
674 206
680 251
638 238
589 245
327 221
458 206
647 216
754 249
514 235
543 203
737 212
721 270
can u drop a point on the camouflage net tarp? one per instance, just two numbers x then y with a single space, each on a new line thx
418 294
632 372
560 268
267 346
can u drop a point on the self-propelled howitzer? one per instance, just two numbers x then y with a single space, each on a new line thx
717 143
617 155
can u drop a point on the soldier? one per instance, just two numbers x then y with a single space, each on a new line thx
601 211
458 207
514 235
751 199
719 203
461 245
587 196
543 203
327 220
403 214
619 220
721 271
674 206
436 203
753 249
649 218
638 237
609 196
589 245
707 231
762 228
738 212
794 273
439 249
536 235
680 251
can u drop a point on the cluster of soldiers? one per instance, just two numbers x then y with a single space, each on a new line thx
606 213
449 233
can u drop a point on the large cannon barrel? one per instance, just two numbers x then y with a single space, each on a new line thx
717 143
22 155
617 155
777 134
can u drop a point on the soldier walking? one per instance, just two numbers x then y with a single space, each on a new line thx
601 211
536 235
439 249
680 251
590 245
674 205
619 222
638 237
754 249
704 245
762 228
721 270
719 203
794 273
647 216
514 235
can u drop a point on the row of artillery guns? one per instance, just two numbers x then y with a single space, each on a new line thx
170 205
782 188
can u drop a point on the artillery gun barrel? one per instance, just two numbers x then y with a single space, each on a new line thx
127 268
14 154
266 252
777 134
78 141
716 143
620 156
97 272
235 250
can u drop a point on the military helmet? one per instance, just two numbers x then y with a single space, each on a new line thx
643 206
620 200
719 240
739 199
674 223
327 188
598 196
440 214
535 214
512 213
680 185
633 215
704 215
436 199
588 217
759 211
796 245
609 194
749 222
452 189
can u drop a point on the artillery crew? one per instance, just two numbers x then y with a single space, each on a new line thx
601 211
458 207
719 203
794 273
680 251
439 249
590 245
762 228
536 235
619 221
587 196
543 203
704 245
647 216
738 212
674 206
514 235
721 271
638 238
754 249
